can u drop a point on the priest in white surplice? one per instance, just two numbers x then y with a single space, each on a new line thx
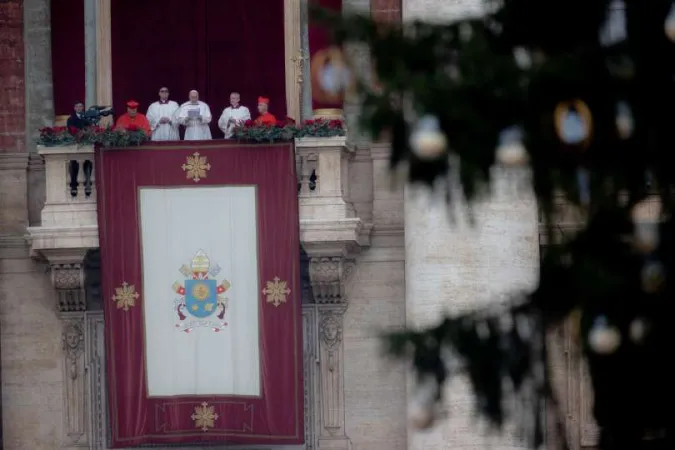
161 117
196 116
233 116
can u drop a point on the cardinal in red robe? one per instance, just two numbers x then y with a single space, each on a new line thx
265 118
133 120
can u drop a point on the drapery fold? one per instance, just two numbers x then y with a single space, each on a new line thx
200 274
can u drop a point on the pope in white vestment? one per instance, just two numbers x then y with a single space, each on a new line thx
233 116
196 116
161 116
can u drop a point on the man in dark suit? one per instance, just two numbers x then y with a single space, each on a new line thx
76 119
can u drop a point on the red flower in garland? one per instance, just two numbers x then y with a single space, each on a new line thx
74 131
132 127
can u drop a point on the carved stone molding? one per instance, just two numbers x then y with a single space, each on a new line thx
332 433
95 354
328 277
68 280
75 382
312 383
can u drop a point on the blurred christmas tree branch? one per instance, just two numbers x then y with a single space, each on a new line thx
586 105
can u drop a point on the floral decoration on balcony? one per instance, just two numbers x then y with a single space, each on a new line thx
94 135
287 130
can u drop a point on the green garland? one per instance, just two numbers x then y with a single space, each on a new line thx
287 130
93 135
249 132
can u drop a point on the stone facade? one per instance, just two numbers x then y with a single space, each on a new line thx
356 259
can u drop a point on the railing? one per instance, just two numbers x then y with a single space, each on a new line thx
69 220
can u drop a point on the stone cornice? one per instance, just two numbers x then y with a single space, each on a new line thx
13 246
388 230
14 161
36 162
380 150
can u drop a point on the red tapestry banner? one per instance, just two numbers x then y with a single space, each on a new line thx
200 274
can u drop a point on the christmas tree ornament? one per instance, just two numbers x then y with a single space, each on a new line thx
573 123
669 25
511 151
330 77
584 186
624 120
523 58
613 29
427 140
646 216
422 411
465 32
637 330
482 331
603 338
335 77
653 277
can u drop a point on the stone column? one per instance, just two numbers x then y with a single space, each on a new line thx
90 49
295 58
75 406
306 87
454 266
104 94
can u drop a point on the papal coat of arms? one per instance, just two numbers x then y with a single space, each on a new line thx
202 301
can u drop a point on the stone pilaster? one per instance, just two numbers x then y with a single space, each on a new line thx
67 277
12 94
90 48
330 276
75 398
13 193
38 68
455 266
295 57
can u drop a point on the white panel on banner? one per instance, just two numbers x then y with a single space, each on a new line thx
200 290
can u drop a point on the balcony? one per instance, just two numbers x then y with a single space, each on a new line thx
330 232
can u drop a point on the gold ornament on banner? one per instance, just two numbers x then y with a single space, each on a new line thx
125 296
573 123
195 167
276 291
204 417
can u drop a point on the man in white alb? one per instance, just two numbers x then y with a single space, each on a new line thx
196 116
161 117
233 116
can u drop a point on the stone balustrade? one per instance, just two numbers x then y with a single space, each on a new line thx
331 235
328 224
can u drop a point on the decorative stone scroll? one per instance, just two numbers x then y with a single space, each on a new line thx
68 280
329 276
